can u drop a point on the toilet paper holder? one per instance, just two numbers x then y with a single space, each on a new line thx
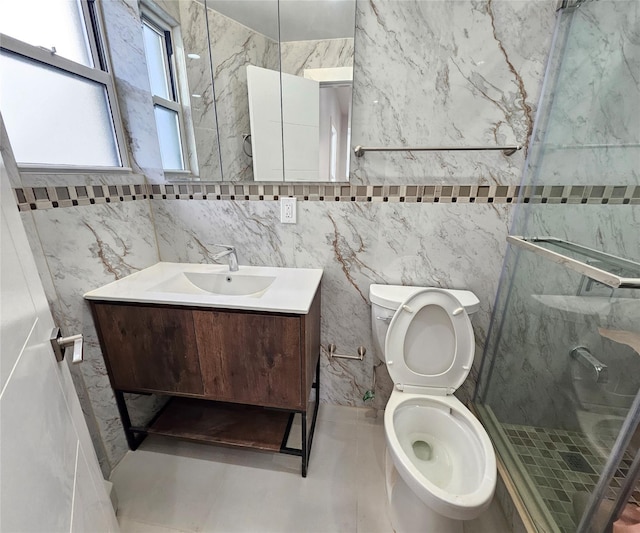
331 352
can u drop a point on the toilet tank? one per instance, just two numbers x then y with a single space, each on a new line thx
385 300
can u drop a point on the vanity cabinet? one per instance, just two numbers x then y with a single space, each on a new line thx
271 372
149 348
235 377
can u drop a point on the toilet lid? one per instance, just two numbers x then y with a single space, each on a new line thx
430 342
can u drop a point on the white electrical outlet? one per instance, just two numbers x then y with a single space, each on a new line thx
288 210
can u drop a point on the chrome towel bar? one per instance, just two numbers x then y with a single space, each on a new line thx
507 150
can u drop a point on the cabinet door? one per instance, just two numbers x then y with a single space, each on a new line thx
149 348
250 358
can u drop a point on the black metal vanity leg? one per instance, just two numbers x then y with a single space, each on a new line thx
132 441
305 453
317 383
307 443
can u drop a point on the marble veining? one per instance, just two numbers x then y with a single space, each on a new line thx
589 115
421 81
233 47
418 79
445 245
326 53
126 49
101 248
202 106
601 114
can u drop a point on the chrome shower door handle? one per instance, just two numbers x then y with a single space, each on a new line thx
60 344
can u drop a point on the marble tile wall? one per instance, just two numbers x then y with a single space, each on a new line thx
126 48
80 248
421 80
445 245
480 68
99 249
193 26
590 132
233 47
544 320
597 85
327 53
357 243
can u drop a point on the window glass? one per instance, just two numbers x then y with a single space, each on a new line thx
67 124
169 137
154 45
49 24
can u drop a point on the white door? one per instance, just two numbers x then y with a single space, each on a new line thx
50 479
301 128
266 123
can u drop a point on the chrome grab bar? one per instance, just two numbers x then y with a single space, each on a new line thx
587 360
507 150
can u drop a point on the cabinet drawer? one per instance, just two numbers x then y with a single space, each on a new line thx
250 358
149 348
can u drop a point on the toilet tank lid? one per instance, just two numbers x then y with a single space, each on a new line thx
391 296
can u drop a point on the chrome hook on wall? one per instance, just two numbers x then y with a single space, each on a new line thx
246 137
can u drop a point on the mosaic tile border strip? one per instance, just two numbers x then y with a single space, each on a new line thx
33 198
37 198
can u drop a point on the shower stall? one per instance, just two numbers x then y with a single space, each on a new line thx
559 385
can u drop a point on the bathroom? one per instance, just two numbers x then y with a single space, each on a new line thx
426 74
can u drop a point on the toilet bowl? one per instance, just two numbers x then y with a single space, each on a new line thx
441 466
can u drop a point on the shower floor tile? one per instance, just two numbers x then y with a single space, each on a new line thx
561 463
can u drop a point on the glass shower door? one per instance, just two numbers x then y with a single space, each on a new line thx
561 367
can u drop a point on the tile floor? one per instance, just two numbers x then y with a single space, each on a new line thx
170 486
547 455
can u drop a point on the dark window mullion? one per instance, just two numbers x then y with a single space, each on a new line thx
172 79
94 27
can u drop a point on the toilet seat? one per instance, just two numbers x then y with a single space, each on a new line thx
429 346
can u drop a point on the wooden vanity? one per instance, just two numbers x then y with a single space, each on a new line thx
235 377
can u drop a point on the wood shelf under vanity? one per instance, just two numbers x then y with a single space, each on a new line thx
226 424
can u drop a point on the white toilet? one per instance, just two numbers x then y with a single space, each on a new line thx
441 466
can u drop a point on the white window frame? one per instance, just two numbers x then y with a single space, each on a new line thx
100 73
162 23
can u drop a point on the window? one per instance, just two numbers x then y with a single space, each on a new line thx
56 96
161 66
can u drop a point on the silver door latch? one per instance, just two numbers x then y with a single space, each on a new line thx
60 344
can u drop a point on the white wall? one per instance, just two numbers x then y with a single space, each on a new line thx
330 113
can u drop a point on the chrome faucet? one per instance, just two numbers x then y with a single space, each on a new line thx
600 371
230 252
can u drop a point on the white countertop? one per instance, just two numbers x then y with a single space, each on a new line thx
292 291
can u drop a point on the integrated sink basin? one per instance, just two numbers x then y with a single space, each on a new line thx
229 283
273 289
232 284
